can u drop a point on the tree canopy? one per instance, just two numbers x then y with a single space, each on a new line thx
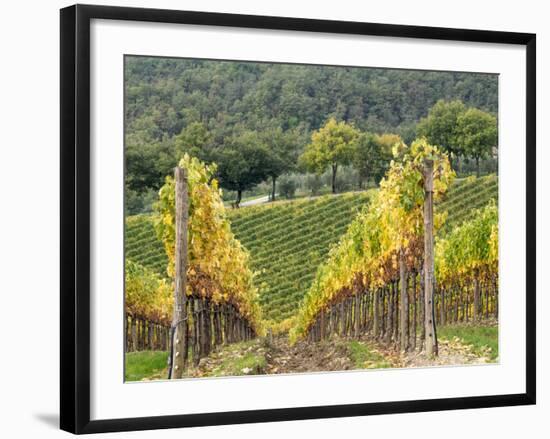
440 127
460 130
198 106
243 162
372 155
331 146
477 133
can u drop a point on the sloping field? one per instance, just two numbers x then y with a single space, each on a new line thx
142 245
287 240
466 195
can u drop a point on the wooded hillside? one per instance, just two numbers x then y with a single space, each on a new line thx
175 105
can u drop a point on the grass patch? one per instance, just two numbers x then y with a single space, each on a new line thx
365 357
145 364
241 359
479 337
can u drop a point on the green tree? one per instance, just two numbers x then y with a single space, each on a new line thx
194 139
331 146
287 187
386 142
148 161
440 127
367 157
166 98
477 133
243 162
283 148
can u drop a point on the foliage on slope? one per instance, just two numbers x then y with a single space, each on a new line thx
288 240
366 256
218 265
464 197
142 244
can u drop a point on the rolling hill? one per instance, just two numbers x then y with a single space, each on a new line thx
287 240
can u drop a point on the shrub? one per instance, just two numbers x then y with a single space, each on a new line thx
287 187
313 183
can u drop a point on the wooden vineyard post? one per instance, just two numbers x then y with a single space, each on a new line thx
476 296
375 308
415 310
357 314
404 324
322 322
429 323
134 335
178 342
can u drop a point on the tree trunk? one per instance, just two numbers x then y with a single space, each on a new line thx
383 312
134 335
366 311
404 302
205 327
422 317
476 296
197 314
486 301
495 292
431 338
127 332
467 305
342 319
322 322
273 184
413 340
142 335
375 307
357 315
457 298
442 307
389 322
395 318
150 336
334 170
477 167
218 325
239 198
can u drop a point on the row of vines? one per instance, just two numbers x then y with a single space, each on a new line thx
374 282
220 303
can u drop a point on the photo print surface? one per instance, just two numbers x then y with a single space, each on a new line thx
289 218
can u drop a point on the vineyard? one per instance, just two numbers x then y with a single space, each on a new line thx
142 245
382 280
287 242
464 197
284 218
467 290
287 267
348 266
216 300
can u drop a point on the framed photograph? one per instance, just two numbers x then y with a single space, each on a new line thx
268 218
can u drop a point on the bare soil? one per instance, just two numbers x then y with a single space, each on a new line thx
307 357
279 357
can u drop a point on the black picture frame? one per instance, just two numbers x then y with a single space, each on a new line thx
75 217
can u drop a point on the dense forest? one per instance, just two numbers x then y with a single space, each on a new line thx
219 111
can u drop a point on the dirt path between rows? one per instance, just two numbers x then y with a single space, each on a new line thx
306 357
333 355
